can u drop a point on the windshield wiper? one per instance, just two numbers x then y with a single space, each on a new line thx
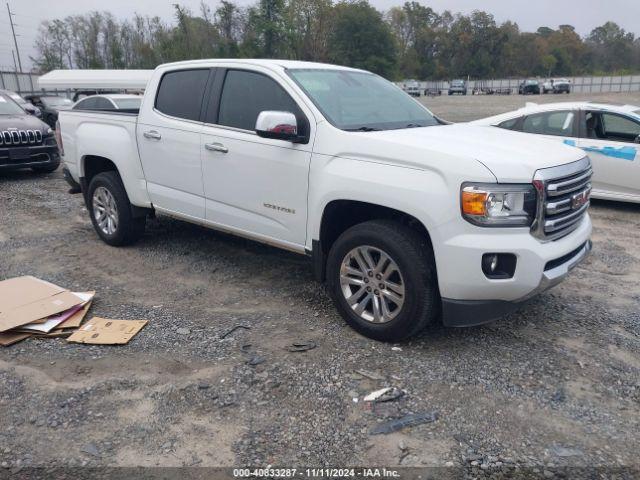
363 129
413 125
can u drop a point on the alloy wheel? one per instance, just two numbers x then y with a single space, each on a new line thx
372 284
105 210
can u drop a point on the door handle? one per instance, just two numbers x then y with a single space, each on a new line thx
152 134
216 147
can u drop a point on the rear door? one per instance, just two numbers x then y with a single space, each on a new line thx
253 185
169 136
611 141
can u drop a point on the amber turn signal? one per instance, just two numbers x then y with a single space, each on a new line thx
474 202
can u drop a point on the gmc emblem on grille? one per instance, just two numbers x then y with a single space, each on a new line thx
579 199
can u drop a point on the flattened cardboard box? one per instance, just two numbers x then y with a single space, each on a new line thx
9 338
103 331
27 299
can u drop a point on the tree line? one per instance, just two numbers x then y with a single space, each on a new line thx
408 41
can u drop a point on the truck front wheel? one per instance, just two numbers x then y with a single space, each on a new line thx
382 278
111 212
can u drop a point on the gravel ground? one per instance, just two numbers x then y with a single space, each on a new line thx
551 388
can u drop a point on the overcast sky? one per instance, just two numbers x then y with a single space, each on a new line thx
529 14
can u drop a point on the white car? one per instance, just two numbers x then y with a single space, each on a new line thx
403 217
556 85
109 102
610 134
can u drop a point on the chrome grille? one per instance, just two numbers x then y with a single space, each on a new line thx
20 137
563 198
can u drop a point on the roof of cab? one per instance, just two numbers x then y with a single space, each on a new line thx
531 107
270 63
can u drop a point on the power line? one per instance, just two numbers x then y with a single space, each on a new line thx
14 38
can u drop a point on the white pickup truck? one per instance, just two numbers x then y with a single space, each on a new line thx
408 220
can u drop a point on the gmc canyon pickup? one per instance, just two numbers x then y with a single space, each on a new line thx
408 220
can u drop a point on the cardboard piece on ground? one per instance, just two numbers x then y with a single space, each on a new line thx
27 299
103 331
10 338
75 320
57 320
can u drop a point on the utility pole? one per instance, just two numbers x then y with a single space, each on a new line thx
13 30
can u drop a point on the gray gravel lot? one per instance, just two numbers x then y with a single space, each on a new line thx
554 385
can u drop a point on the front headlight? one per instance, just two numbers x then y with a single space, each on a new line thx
497 205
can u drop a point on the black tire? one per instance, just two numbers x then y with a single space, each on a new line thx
129 228
414 257
47 169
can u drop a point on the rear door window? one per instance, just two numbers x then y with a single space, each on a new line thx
550 123
180 93
620 129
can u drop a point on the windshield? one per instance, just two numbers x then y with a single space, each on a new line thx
56 101
9 107
360 100
532 82
457 83
128 103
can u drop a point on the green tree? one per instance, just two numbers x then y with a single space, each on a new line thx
362 39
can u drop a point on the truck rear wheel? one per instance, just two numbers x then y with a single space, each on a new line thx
382 278
111 212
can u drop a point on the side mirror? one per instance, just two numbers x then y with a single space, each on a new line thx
277 125
637 140
30 109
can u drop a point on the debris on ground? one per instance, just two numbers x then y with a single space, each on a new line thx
563 452
30 307
105 331
301 346
370 375
403 422
386 394
90 449
233 329
256 360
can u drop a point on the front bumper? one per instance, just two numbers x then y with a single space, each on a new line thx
467 313
14 158
470 298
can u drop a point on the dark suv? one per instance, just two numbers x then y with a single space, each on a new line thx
50 105
25 141
529 87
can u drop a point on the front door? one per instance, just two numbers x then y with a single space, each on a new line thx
611 141
169 138
253 185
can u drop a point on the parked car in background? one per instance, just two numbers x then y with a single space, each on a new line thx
26 106
557 85
529 87
609 134
121 102
409 221
50 106
458 86
25 141
412 87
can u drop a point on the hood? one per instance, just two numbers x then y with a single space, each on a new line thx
22 122
512 157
